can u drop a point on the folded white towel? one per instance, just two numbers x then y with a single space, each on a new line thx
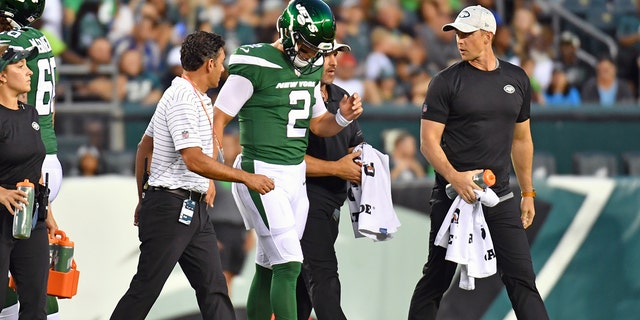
465 234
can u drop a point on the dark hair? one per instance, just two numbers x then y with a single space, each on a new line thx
198 47
5 25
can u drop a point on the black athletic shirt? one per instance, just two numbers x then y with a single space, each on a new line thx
21 149
332 189
479 110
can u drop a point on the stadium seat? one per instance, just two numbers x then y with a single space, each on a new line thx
544 164
631 162
595 163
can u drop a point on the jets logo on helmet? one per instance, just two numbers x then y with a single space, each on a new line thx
304 18
22 12
308 23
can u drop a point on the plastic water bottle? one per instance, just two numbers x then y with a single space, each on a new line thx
483 179
23 217
63 257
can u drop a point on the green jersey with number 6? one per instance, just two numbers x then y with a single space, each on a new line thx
42 81
274 122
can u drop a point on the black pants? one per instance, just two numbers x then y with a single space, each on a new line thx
28 261
318 283
513 258
165 241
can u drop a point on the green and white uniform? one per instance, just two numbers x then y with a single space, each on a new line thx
41 96
274 105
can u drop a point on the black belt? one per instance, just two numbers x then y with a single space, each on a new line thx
185 194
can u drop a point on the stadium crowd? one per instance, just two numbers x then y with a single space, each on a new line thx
397 44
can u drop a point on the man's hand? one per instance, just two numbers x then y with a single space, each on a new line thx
135 213
351 106
260 183
211 194
50 222
348 169
463 183
527 210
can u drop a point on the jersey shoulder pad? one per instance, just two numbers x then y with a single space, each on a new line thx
251 59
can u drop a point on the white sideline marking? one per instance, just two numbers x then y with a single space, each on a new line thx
597 192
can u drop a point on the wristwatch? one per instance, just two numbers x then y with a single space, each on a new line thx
530 194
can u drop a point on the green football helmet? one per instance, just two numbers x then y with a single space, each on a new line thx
312 24
22 12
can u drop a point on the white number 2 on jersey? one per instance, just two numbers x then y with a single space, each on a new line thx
45 91
298 114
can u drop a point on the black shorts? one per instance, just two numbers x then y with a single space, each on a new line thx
232 254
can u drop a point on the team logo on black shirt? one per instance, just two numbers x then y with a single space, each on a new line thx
509 89
35 126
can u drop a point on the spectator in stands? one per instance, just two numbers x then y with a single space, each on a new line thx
346 74
174 67
90 161
235 31
166 20
86 28
52 17
404 163
410 65
99 53
441 47
534 40
266 28
606 88
380 70
576 70
353 22
143 38
135 84
211 13
502 44
419 85
122 21
560 92
628 38
528 65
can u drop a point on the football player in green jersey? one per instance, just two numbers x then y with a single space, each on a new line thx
274 89
15 17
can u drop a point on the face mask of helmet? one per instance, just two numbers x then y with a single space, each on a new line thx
309 23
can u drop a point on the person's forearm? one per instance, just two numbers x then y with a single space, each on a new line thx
325 125
522 157
318 167
143 161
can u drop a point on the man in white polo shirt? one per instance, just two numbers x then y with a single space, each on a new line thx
173 224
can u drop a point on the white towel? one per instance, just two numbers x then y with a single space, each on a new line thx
370 204
465 234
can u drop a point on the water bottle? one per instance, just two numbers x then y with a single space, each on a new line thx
63 257
483 179
23 217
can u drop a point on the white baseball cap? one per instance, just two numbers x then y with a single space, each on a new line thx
340 46
472 19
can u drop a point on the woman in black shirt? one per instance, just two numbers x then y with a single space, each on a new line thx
22 153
